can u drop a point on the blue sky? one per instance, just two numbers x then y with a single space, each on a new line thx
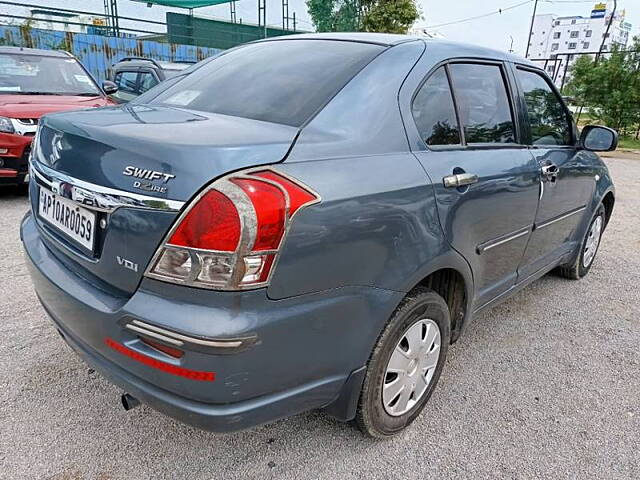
493 31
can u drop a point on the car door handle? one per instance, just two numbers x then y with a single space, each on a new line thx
550 172
459 180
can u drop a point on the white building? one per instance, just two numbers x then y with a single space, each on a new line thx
557 41
67 22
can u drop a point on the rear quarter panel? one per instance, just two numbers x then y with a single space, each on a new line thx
377 222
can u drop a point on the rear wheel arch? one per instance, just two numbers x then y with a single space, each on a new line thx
452 286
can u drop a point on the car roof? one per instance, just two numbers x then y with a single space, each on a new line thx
162 64
390 39
35 51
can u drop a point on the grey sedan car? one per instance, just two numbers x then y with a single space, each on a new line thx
308 222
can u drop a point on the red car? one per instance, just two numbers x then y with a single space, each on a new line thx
33 83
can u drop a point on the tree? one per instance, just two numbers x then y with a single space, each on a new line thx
391 16
609 86
334 15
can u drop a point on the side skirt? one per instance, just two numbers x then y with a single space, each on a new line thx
520 285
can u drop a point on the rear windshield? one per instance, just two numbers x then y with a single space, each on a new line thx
282 81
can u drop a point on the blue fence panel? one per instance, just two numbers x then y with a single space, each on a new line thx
98 52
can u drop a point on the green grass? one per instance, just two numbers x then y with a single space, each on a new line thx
629 143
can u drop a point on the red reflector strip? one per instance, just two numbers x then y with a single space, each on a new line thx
6 172
165 367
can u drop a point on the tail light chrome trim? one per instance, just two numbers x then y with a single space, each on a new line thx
238 260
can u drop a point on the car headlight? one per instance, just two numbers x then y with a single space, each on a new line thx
6 126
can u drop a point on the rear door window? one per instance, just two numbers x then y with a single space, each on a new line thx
483 103
434 112
548 118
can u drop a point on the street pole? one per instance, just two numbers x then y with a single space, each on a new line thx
533 17
606 33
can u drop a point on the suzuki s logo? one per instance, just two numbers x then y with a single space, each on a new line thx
123 262
146 174
56 148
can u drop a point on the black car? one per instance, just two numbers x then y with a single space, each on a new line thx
136 75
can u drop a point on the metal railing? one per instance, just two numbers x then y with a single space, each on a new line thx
138 26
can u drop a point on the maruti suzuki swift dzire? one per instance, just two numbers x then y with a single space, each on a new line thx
308 222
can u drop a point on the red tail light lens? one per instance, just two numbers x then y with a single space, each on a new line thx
229 238
212 224
298 196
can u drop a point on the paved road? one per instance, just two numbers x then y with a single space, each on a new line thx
547 385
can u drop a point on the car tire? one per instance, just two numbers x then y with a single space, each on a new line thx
416 336
588 248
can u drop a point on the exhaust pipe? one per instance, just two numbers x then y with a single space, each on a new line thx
129 402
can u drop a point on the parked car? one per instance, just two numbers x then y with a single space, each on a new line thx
308 222
33 83
136 75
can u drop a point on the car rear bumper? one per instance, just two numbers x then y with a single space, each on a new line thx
305 350
218 418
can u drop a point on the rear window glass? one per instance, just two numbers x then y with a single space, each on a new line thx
434 112
283 81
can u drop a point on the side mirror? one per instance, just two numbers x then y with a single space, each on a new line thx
598 139
109 87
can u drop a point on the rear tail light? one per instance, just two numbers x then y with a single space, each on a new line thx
231 234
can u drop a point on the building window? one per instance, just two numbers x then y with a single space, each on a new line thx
585 45
556 35
605 35
554 47
573 46
554 56
551 69
589 33
556 23
573 22
575 34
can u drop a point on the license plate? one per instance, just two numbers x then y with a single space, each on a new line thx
68 217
